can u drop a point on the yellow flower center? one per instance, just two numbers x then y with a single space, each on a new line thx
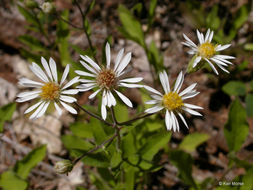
172 101
50 91
106 79
206 50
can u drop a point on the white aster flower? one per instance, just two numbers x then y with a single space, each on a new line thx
48 90
107 79
208 51
172 101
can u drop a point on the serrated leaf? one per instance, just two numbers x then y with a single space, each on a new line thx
249 104
6 113
24 166
183 161
81 129
192 141
236 128
236 88
131 28
10 181
154 144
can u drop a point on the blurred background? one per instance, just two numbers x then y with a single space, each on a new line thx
26 34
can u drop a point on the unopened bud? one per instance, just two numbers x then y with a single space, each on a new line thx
63 166
47 7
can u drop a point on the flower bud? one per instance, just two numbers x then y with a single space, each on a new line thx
63 166
47 7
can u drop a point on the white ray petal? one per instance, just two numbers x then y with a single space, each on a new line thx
112 99
38 72
175 118
69 108
70 91
196 61
152 90
182 118
166 80
218 61
210 37
43 110
220 48
59 110
132 80
84 89
225 57
154 109
37 111
188 40
28 82
109 100
207 35
179 82
189 95
168 120
152 102
91 62
163 82
156 97
130 85
94 94
83 73
104 98
222 68
188 89
201 41
108 55
87 81
29 93
68 99
125 61
32 107
191 106
52 65
212 66
193 112
172 116
124 99
46 67
73 81
27 98
65 74
118 59
222 60
88 67
103 112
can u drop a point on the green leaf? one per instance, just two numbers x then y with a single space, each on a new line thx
24 166
130 177
97 130
151 11
10 181
6 113
97 160
247 180
155 56
236 128
32 43
249 104
121 112
248 46
128 145
115 159
241 16
154 144
131 28
81 129
74 142
29 16
236 88
192 141
183 161
153 125
212 19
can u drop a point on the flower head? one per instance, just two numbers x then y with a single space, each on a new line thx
47 7
107 79
172 101
63 167
208 51
48 90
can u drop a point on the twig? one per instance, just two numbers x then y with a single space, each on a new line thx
134 119
96 148
93 115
